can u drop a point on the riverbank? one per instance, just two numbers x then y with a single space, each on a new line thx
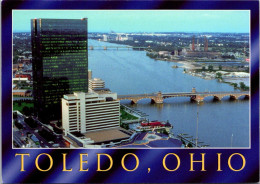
231 78
230 75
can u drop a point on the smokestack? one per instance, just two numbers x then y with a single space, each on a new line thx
193 44
205 44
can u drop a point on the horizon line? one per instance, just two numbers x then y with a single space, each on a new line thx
150 32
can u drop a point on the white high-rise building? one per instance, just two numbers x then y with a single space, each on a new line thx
96 83
84 112
105 38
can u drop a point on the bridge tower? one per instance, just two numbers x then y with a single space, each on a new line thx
159 98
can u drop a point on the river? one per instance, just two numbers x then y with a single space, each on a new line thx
220 124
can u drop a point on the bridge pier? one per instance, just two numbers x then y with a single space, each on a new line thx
216 98
232 97
246 97
157 101
133 101
197 98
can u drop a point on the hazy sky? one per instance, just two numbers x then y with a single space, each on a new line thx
144 20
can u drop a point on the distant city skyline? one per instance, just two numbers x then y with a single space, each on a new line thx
225 21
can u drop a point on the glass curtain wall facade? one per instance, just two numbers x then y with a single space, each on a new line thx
60 63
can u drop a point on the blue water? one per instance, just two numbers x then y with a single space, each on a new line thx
220 124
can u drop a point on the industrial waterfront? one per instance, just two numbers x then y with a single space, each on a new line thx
221 124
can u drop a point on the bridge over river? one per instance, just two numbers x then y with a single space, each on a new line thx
194 96
115 47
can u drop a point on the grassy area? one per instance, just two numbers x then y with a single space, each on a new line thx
20 105
27 87
127 116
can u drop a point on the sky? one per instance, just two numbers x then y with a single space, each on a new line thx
235 21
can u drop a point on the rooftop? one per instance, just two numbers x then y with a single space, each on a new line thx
20 90
101 89
151 140
107 135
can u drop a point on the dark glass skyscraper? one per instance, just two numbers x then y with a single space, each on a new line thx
60 63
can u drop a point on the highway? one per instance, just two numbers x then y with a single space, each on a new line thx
28 129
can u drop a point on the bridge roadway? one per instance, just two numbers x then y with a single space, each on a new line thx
115 47
194 96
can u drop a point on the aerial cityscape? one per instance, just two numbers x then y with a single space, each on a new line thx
77 86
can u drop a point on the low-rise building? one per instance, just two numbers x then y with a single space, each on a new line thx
21 79
17 67
164 53
28 76
202 54
22 92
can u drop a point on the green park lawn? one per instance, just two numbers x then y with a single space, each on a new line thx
127 116
20 105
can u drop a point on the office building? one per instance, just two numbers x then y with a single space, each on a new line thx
60 63
105 38
96 83
86 112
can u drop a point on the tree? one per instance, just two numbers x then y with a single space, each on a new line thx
242 85
15 59
220 67
210 67
218 75
203 68
235 85
26 111
31 110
